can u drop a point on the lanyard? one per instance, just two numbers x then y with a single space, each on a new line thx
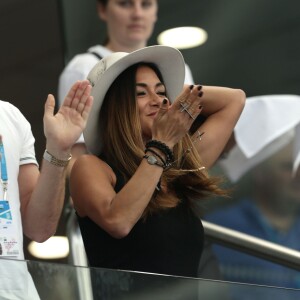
4 177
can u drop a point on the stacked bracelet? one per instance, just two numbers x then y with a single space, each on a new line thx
153 161
157 155
164 149
55 161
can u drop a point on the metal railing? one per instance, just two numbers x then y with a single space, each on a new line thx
252 245
78 257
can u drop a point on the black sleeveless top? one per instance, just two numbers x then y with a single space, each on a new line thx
168 242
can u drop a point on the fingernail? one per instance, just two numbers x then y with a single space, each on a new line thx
191 86
165 101
199 87
200 94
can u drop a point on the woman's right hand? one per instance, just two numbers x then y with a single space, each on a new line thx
174 121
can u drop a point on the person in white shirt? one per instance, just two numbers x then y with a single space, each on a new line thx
31 200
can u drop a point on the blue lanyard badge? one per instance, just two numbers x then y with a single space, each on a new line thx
5 212
4 177
8 238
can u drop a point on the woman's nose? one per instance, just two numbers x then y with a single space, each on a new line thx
155 100
137 10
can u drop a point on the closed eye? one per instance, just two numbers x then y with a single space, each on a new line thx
142 93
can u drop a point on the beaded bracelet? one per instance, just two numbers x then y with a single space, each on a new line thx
163 148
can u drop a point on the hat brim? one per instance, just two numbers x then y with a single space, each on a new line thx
169 61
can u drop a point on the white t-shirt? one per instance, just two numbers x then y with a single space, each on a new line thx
80 66
18 141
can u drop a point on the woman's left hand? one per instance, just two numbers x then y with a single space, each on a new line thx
189 102
173 122
64 128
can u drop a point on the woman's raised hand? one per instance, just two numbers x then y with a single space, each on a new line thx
64 128
174 121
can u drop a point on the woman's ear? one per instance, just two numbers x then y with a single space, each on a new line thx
101 10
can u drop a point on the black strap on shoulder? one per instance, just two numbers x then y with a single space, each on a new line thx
96 54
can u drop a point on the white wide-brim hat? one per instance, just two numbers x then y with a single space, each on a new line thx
169 61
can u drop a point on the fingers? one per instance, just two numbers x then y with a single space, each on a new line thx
194 101
87 108
194 97
163 108
82 101
183 97
71 94
189 95
164 105
189 102
49 106
79 97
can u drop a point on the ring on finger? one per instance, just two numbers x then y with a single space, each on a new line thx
189 113
184 106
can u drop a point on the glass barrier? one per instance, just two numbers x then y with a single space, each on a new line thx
264 203
244 268
66 282
217 263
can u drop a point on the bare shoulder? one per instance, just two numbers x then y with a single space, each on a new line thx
92 182
91 165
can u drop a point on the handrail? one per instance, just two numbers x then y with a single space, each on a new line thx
252 245
78 258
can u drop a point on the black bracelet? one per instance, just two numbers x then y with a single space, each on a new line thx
156 154
163 148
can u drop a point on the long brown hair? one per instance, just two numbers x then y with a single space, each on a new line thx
120 125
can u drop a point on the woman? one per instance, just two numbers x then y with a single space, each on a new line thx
129 25
135 195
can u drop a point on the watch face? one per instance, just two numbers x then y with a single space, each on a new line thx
152 160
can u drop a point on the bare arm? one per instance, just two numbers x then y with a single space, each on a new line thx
41 197
42 194
77 150
222 108
115 212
